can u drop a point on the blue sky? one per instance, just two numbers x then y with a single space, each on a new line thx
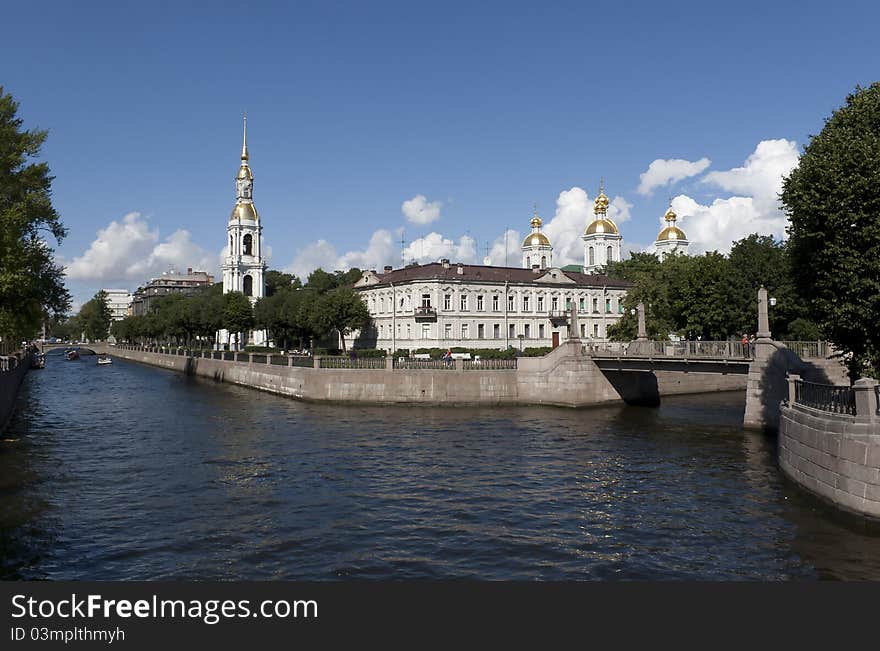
355 108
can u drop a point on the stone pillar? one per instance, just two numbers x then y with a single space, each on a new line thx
574 329
290 360
250 358
459 364
268 359
389 363
763 315
866 400
793 379
643 331
316 362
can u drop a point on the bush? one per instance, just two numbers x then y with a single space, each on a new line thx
538 351
327 352
260 349
370 352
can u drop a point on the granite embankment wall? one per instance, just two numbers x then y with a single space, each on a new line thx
833 456
10 381
565 377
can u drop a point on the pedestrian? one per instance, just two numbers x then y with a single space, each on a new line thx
447 356
745 345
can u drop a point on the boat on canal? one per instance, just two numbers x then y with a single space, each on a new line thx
38 361
72 354
103 360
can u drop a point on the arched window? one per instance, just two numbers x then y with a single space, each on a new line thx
592 256
528 262
248 285
609 254
543 262
248 243
230 245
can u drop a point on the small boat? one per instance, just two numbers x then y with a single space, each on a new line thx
73 354
38 361
103 360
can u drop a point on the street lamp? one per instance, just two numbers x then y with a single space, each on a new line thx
772 302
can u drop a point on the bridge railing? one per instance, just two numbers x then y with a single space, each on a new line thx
347 362
808 349
825 397
671 349
490 364
430 364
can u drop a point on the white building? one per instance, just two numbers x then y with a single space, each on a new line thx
244 268
601 237
671 239
444 305
119 302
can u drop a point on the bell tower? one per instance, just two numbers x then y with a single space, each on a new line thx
244 268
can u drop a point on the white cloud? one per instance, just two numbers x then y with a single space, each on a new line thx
128 250
753 209
419 211
671 170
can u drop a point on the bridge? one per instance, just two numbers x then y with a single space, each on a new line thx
95 348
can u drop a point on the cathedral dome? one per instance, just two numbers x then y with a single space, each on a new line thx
244 211
536 239
602 225
671 233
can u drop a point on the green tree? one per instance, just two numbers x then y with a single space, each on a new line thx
342 309
238 314
95 316
277 281
832 199
31 284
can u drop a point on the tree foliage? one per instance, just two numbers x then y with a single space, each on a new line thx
832 199
95 316
712 296
31 284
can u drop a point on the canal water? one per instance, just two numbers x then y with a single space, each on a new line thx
131 472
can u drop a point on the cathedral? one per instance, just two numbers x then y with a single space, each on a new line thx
244 267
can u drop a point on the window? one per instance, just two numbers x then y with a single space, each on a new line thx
527 331
248 286
527 306
381 304
609 254
541 330
510 303
426 331
595 306
620 307
447 302
481 331
495 303
496 331
511 331
426 300
408 302
554 304
408 331
540 304
607 306
447 331
568 304
583 330
248 243
528 262
581 307
464 331
480 307
464 303
592 257
543 262
595 329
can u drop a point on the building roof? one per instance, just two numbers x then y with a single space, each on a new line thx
479 273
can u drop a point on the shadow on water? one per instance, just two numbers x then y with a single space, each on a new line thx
132 472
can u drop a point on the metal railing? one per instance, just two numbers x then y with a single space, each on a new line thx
490 364
825 397
302 361
347 362
8 363
672 349
808 349
428 364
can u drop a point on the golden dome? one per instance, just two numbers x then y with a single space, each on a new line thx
602 225
244 211
670 215
536 222
536 239
244 172
671 233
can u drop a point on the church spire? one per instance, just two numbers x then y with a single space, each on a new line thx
244 151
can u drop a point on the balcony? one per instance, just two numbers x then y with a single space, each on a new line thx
425 314
558 317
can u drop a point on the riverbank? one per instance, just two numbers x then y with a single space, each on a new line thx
11 377
565 377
